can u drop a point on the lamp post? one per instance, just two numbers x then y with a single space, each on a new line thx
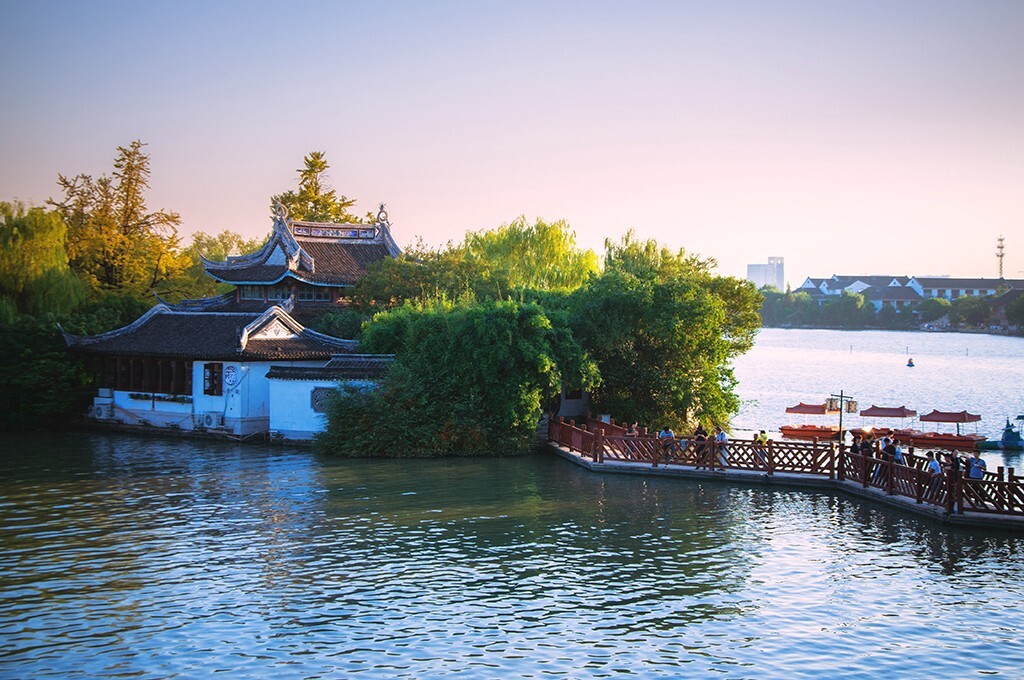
842 402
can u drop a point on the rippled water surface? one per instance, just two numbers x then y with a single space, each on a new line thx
145 557
983 374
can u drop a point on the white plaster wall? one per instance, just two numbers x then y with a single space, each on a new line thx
205 403
571 408
246 404
291 412
148 412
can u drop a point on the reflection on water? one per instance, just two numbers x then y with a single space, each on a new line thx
127 556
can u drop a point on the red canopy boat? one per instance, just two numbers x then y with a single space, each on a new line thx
882 412
810 431
944 440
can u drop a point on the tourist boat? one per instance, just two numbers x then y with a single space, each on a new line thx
1010 441
881 412
943 440
810 431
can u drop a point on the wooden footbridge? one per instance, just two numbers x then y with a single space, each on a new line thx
997 499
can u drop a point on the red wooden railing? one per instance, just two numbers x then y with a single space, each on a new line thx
1000 492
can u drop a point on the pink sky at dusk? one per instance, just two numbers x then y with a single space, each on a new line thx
847 137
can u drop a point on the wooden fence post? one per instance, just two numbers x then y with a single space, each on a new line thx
841 462
952 488
771 457
598 455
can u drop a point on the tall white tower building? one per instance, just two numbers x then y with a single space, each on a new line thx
771 274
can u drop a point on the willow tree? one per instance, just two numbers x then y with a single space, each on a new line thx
34 273
315 200
538 256
497 264
115 243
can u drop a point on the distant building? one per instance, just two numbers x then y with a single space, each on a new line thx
901 292
771 274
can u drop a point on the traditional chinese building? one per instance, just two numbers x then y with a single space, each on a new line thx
316 263
241 363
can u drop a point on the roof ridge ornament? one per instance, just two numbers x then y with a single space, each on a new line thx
280 211
382 215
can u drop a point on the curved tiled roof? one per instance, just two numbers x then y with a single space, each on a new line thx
341 367
311 252
231 336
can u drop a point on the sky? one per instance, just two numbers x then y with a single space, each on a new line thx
855 137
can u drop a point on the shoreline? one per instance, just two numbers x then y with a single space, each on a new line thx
959 331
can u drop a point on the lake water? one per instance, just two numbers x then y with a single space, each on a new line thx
145 557
983 374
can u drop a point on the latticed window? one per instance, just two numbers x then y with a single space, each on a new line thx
279 293
252 292
320 398
213 379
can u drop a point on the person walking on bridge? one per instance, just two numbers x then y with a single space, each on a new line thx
721 439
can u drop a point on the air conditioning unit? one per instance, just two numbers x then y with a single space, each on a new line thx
102 411
213 419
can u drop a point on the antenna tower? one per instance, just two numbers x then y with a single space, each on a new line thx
999 254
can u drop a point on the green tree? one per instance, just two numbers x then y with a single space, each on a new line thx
848 310
45 385
972 311
788 309
538 256
488 265
193 281
1015 312
34 273
225 244
315 200
933 309
342 323
888 317
467 380
663 331
114 242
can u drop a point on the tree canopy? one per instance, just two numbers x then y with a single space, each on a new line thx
34 273
503 263
663 330
468 379
933 309
315 200
115 243
652 335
